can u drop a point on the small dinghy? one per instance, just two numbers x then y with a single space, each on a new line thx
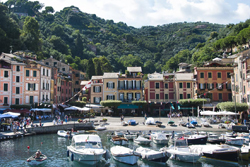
119 140
214 139
101 127
66 134
124 123
151 155
238 141
158 123
150 121
124 155
34 160
132 122
142 140
171 122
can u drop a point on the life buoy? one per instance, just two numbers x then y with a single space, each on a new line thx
67 153
72 157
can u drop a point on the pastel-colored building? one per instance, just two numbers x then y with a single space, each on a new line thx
184 84
110 86
96 89
11 81
32 82
66 89
45 74
130 85
213 81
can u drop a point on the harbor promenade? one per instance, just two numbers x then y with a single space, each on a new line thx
112 124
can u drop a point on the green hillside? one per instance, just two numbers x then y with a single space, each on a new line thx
74 37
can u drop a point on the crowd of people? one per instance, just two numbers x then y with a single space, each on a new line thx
58 121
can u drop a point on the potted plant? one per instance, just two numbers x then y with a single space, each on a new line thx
227 122
104 119
79 120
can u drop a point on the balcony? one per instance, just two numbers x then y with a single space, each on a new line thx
123 88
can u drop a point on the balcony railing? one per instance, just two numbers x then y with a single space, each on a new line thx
123 88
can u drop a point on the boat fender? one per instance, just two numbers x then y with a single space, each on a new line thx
72 157
67 153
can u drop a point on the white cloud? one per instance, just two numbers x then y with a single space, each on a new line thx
157 12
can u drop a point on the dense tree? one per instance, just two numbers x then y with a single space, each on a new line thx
49 9
59 44
31 34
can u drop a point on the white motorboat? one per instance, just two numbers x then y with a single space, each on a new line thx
239 141
151 155
182 152
101 127
142 140
218 152
36 161
64 133
124 155
129 135
196 139
119 133
119 140
160 138
86 148
213 138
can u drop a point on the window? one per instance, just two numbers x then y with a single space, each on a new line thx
188 85
47 63
6 74
166 96
43 72
110 97
228 75
77 82
111 85
17 100
244 89
27 73
55 63
218 75
157 96
77 74
180 85
202 85
157 85
5 100
34 73
209 75
17 68
47 72
17 90
230 96
97 89
5 87
166 86
63 69
210 86
97 99
188 96
201 75
181 96
220 96
17 79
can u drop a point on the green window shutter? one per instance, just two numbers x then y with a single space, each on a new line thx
94 89
113 97
27 73
113 85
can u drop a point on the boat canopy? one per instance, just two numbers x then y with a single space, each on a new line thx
86 138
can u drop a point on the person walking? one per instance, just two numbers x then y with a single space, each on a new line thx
145 117
66 119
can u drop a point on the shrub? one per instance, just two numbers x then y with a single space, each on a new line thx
230 106
192 102
104 119
79 120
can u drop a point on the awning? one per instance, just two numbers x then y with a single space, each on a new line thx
127 106
41 109
188 108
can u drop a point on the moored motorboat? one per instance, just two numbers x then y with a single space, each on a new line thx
119 140
124 123
218 152
142 140
180 151
124 155
239 141
151 155
119 133
86 148
129 135
160 138
33 160
214 139
196 139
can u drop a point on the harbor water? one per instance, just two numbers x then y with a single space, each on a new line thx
14 152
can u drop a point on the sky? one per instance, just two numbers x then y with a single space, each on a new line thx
140 13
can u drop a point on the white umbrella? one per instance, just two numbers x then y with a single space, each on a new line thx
12 113
74 108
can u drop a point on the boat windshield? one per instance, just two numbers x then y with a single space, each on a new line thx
181 143
88 145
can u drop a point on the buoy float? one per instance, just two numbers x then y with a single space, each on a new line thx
28 147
